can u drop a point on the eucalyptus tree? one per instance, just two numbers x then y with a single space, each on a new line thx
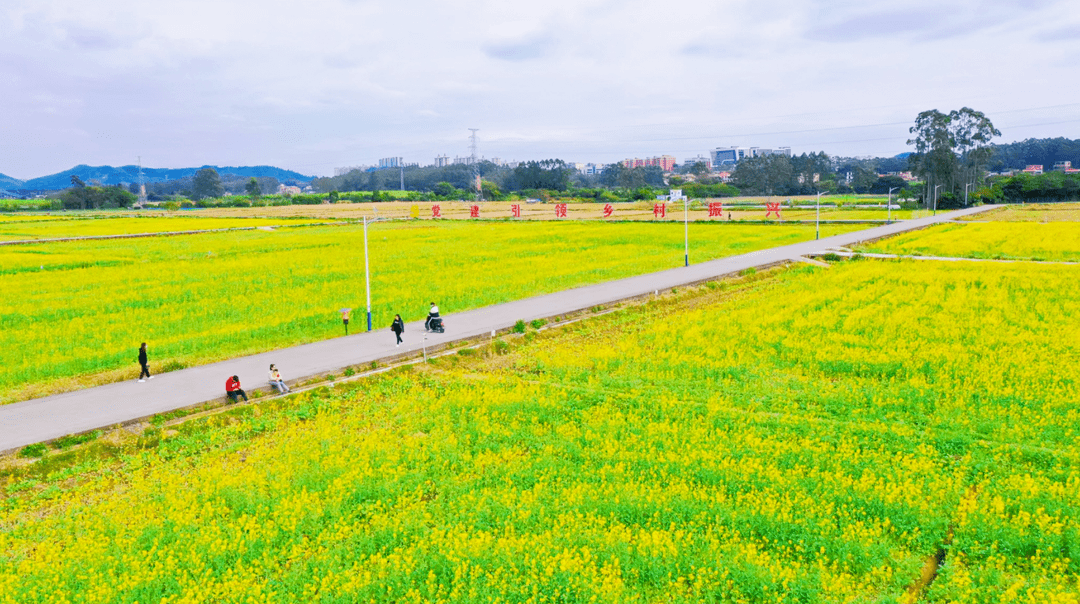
950 149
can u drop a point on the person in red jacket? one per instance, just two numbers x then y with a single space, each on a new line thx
232 389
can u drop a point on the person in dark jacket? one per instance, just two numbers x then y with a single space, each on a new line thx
233 390
144 362
398 326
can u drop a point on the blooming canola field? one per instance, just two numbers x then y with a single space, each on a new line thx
28 228
74 313
808 435
1053 241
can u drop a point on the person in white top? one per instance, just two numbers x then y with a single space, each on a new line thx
276 381
433 313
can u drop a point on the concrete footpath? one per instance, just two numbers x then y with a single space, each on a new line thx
51 417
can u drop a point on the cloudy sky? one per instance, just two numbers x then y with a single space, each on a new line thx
322 83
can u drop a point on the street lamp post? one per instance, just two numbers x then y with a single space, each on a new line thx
889 221
686 229
966 185
935 199
817 219
367 275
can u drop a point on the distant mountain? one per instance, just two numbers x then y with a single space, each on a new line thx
7 182
109 175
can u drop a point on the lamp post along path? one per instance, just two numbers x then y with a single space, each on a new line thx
817 220
367 275
889 221
686 230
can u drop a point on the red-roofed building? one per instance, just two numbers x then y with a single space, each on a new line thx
1033 169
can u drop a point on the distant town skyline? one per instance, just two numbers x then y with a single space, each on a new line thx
329 83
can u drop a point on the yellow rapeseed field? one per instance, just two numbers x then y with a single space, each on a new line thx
813 437
80 309
95 226
1032 212
1056 241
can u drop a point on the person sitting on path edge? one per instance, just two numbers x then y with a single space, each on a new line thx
143 363
397 327
276 381
232 389
433 313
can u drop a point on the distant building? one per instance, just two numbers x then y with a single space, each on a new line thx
665 162
1066 167
391 162
346 169
288 190
441 161
733 155
699 159
1033 169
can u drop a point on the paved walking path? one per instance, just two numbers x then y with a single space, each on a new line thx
73 412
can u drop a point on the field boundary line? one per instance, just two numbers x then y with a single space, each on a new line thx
939 258
169 233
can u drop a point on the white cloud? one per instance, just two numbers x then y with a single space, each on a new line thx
331 82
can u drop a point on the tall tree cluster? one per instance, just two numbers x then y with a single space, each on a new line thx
951 150
804 174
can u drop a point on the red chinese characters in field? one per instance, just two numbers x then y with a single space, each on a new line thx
608 210
772 207
716 209
659 210
560 210
474 212
515 210
436 211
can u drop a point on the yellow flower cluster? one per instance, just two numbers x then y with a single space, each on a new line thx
78 308
1054 241
45 227
1032 212
808 438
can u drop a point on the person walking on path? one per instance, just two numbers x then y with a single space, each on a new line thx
144 362
233 390
397 327
276 381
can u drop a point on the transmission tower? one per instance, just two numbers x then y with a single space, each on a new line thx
142 185
475 163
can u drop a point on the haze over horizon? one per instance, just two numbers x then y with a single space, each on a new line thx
309 87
